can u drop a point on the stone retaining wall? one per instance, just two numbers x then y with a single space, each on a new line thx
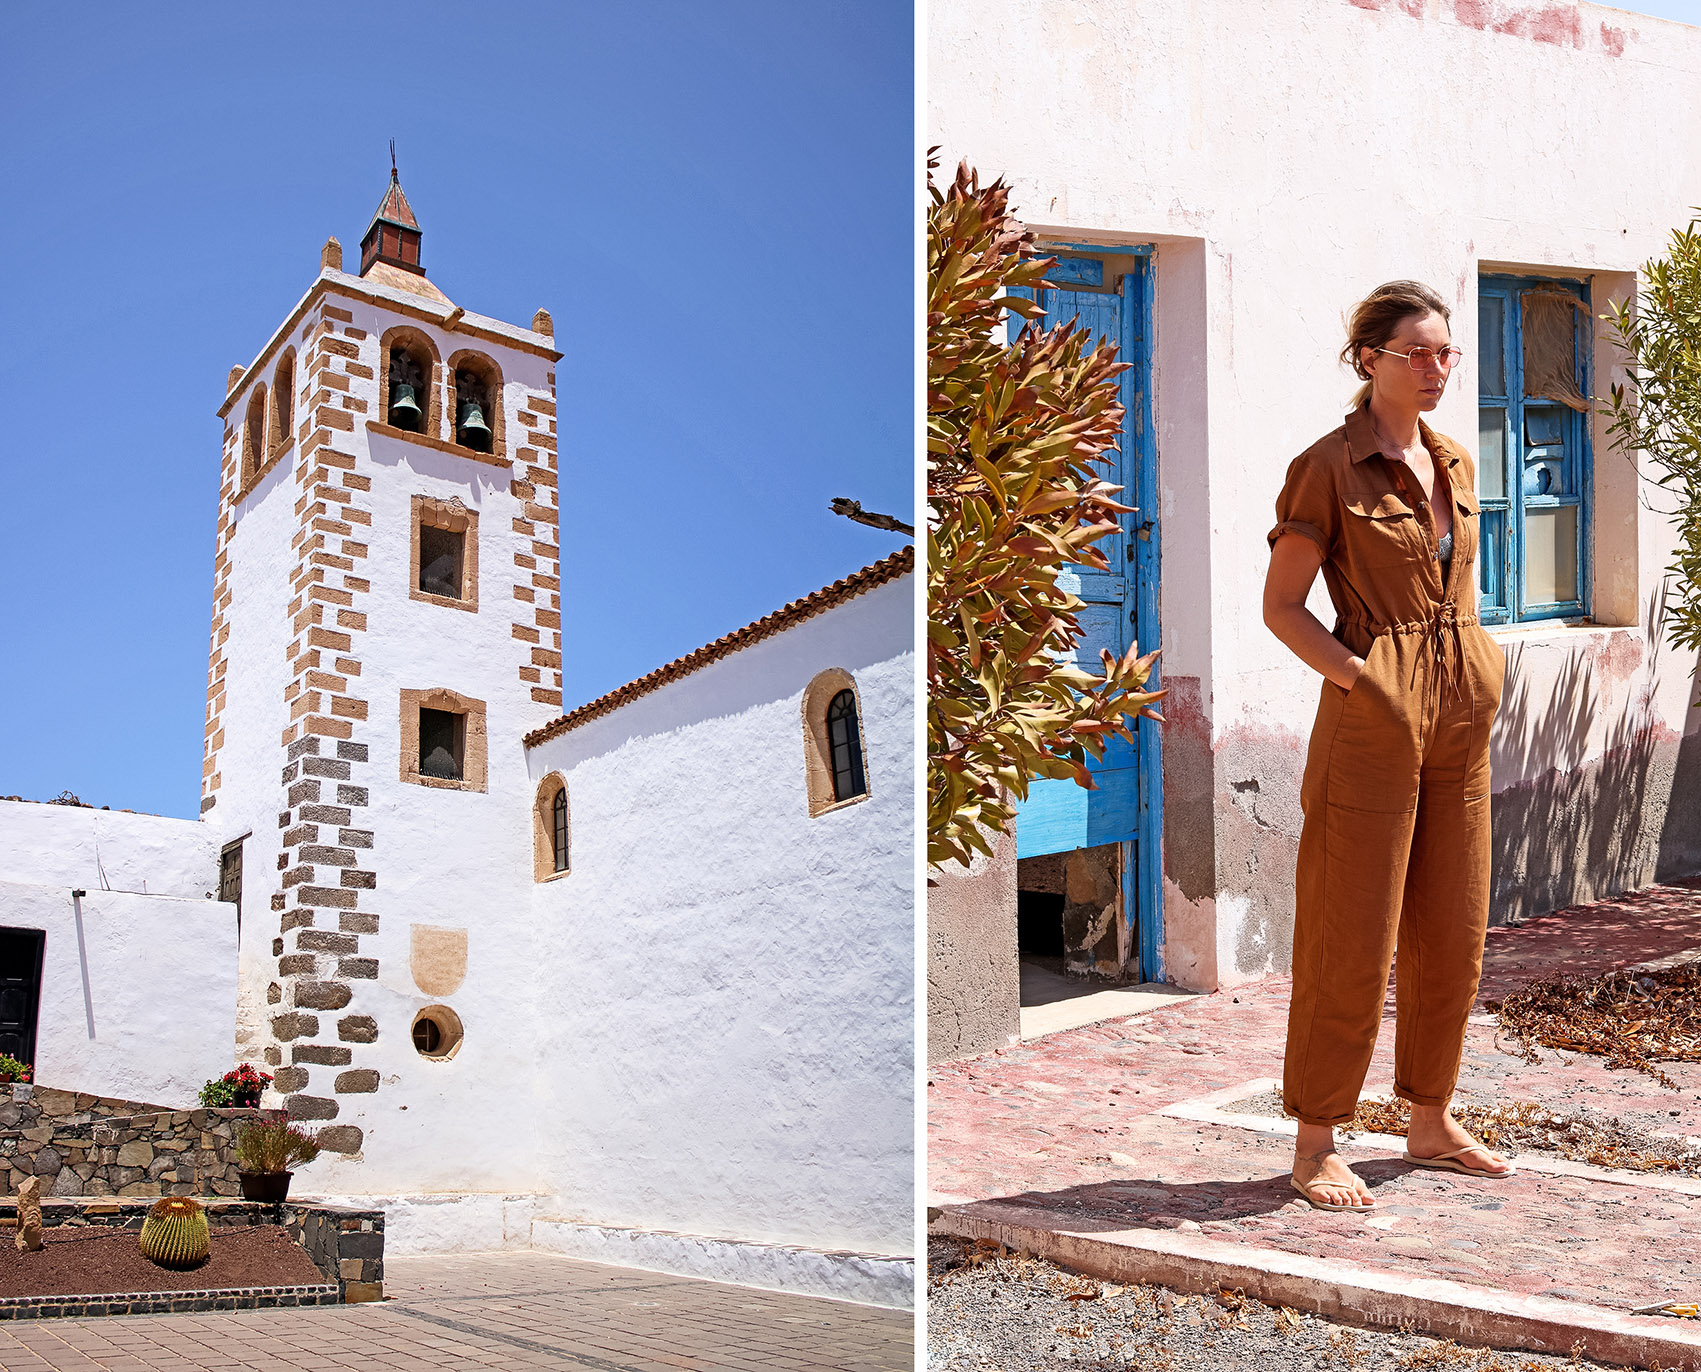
346 1243
84 1145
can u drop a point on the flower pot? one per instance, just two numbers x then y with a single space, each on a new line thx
269 1187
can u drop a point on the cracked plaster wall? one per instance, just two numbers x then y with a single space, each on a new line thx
973 981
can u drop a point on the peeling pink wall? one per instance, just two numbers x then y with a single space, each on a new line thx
1262 147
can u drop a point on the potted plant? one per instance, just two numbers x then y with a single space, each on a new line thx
12 1070
266 1150
238 1090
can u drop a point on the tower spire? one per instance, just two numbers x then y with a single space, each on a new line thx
393 235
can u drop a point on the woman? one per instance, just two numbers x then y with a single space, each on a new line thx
1395 847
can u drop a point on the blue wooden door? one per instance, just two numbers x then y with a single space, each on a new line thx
1120 604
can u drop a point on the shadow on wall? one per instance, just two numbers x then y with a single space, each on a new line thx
1579 830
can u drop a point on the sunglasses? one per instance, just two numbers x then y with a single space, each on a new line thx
1422 359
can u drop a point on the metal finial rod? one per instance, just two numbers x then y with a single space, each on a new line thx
394 175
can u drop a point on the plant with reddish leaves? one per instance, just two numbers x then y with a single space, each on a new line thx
1015 434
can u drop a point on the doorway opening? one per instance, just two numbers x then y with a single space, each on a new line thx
1069 913
20 991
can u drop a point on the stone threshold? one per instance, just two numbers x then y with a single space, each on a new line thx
1212 1109
1338 1290
166 1302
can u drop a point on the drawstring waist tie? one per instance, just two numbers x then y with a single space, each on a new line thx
1442 638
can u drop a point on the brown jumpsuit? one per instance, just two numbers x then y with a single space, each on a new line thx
1395 846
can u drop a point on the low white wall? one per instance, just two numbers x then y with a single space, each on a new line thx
76 847
138 993
728 1037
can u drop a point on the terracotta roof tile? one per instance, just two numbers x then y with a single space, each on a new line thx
887 569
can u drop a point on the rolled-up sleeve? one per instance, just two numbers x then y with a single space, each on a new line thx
1307 505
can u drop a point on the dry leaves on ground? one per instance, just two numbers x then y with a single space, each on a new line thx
1631 1019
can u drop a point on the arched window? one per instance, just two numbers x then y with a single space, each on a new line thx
283 404
408 398
552 854
477 402
844 737
254 437
558 830
834 769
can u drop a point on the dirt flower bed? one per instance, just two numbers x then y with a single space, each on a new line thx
1631 1019
94 1260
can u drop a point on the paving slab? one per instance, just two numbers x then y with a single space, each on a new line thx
507 1310
1118 1148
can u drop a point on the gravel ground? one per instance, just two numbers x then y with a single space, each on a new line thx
989 1310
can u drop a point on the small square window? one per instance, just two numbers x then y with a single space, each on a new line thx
445 553
442 744
443 739
441 556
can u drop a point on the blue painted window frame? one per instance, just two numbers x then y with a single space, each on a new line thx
1500 577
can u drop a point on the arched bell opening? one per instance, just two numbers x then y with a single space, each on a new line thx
477 402
408 396
254 437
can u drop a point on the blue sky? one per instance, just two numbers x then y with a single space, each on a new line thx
1685 11
714 201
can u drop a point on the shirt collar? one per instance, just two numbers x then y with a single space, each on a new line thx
1362 440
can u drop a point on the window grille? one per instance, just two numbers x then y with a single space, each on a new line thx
559 829
1535 338
442 740
845 740
441 552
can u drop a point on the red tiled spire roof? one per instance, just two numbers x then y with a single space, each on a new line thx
394 207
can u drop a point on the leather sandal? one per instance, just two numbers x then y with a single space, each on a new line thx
1305 1189
1449 1162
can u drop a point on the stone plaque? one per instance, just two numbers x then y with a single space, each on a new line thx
438 959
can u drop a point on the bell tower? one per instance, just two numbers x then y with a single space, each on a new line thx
386 628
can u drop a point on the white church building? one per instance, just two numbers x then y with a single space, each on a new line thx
633 982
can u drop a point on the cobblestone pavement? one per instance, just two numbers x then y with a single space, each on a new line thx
492 1310
1070 1124
1007 1313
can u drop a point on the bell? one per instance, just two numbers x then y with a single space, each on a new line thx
474 432
404 409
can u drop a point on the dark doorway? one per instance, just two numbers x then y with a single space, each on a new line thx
20 990
1039 924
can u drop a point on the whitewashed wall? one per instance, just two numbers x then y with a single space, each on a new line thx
251 761
727 1028
1285 158
138 990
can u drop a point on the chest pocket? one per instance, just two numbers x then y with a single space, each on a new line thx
1381 529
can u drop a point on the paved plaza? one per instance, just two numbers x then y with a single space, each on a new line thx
1143 1149
492 1310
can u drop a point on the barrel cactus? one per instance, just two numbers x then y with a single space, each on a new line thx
175 1232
